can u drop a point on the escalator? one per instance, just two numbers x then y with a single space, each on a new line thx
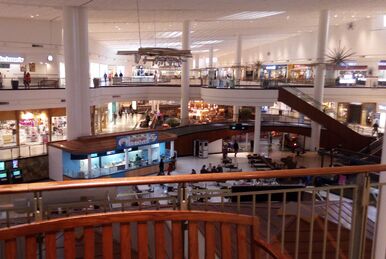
335 134
374 148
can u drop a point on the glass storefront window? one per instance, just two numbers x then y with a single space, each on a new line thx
33 128
7 133
58 128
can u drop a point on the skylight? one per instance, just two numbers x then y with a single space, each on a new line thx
169 34
248 15
205 42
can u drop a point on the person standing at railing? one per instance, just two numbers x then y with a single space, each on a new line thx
27 80
105 77
161 167
1 80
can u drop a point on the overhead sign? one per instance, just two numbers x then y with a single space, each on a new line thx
11 59
137 140
271 67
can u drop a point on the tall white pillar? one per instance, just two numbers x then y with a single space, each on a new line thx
236 110
256 139
380 239
372 73
75 40
197 62
172 148
238 59
211 57
185 75
320 73
127 161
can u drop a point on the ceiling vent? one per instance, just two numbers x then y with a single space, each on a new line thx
37 46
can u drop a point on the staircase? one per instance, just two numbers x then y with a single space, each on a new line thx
338 133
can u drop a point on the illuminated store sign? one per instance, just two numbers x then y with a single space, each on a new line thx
137 140
11 59
273 67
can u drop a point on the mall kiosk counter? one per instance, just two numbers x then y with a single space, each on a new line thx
110 155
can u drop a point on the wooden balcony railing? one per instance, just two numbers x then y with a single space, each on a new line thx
314 221
244 229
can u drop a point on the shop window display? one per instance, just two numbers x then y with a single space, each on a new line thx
58 128
7 133
33 128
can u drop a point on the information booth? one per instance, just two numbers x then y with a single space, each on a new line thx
113 155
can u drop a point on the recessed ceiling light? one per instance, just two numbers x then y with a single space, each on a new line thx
368 16
32 16
37 15
249 15
335 16
352 16
288 17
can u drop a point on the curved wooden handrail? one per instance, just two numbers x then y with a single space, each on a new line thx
61 224
68 225
110 182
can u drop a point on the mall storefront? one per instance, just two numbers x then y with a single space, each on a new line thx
116 155
26 133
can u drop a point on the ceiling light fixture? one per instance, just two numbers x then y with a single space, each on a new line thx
250 15
162 57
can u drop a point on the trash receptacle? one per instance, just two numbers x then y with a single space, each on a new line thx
15 84
96 82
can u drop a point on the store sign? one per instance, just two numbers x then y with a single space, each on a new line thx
136 140
11 59
27 122
382 107
273 67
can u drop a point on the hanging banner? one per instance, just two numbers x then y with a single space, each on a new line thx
137 140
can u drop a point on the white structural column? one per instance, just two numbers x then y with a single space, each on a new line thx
320 73
76 57
372 73
238 59
380 239
172 148
185 75
236 110
211 57
256 139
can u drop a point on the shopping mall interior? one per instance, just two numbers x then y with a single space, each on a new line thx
192 129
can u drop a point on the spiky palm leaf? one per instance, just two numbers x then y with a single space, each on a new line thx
339 56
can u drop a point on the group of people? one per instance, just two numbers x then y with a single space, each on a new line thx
110 76
170 168
209 169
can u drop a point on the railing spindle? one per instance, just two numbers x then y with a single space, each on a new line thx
210 244
107 241
31 247
10 249
89 243
325 225
242 250
142 241
193 240
298 225
310 244
177 239
337 253
69 244
226 241
125 240
283 221
50 242
159 229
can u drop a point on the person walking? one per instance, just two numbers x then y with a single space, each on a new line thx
105 77
1 80
375 128
236 147
161 167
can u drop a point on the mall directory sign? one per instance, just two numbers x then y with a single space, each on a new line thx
136 140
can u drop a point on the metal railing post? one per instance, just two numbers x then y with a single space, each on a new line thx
38 206
182 196
358 225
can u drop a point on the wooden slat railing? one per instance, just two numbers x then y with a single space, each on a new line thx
110 182
248 246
